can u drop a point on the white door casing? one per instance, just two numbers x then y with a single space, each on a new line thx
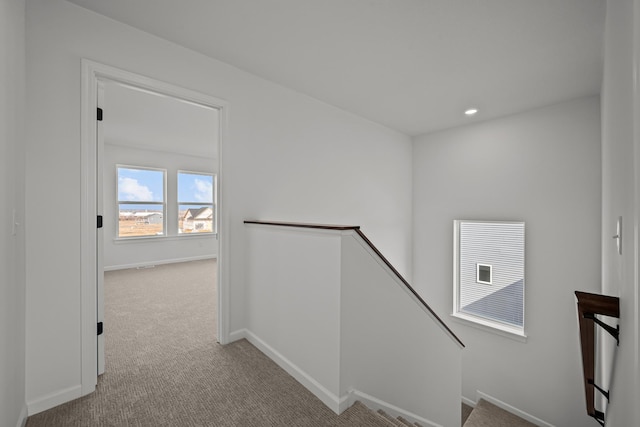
100 231
91 206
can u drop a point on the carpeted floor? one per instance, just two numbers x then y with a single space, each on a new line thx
164 367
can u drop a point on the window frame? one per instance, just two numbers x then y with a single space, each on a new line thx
128 202
480 322
478 280
213 204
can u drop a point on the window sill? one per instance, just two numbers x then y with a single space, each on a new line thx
491 327
192 235
147 239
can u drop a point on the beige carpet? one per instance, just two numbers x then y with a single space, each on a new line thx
466 411
486 414
164 367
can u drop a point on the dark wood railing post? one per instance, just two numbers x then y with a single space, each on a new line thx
590 305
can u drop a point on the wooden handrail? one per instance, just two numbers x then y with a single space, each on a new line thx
590 305
356 228
303 225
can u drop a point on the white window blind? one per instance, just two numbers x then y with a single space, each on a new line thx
500 246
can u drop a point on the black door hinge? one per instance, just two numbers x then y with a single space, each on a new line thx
99 221
100 328
99 114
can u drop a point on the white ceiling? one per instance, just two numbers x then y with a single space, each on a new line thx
142 119
413 65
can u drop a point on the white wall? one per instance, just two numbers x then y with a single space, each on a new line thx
133 253
327 310
541 167
620 161
288 157
12 282
391 348
293 303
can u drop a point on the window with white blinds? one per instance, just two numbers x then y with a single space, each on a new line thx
489 273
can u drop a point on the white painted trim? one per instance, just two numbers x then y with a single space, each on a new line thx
22 418
338 405
223 226
119 202
636 213
88 236
488 326
237 335
172 238
375 404
91 73
329 399
478 265
500 404
346 401
468 402
158 262
478 322
54 399
99 251
456 267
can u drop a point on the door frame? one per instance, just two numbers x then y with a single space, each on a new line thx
91 74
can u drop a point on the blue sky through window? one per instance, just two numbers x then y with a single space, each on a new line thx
140 185
195 188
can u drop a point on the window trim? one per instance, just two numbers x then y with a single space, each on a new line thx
488 326
213 204
479 322
478 265
127 202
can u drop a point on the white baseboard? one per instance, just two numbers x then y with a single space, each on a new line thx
375 404
160 262
338 405
328 398
500 404
22 419
54 399
468 402
236 335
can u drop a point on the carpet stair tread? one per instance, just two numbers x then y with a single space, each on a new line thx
392 421
406 422
486 414
360 415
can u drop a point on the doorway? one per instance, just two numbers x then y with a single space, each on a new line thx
99 81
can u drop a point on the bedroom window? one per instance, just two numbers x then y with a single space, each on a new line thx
141 201
489 274
196 203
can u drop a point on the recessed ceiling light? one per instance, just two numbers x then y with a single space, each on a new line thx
471 111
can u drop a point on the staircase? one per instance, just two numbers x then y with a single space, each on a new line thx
331 288
484 414
335 272
359 415
398 422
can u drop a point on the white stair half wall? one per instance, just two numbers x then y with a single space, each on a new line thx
324 306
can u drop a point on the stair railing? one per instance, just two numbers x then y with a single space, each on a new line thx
589 306
356 229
